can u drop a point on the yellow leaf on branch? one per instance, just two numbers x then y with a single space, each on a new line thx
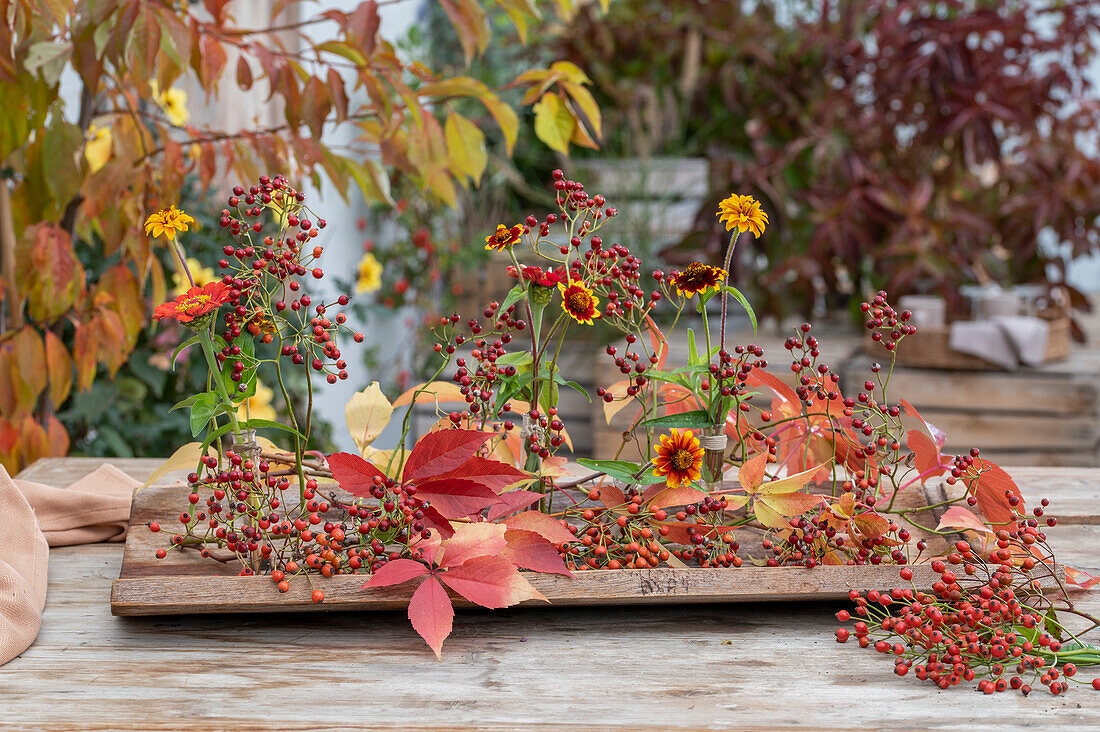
367 414
554 123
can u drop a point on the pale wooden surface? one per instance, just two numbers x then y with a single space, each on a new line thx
555 668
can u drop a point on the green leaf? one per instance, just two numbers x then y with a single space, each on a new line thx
693 353
516 358
224 429
697 419
516 294
537 309
623 470
268 424
744 303
202 411
190 341
248 376
573 385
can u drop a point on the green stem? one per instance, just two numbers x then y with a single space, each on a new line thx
208 351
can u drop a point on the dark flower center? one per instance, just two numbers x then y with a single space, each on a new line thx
579 301
683 459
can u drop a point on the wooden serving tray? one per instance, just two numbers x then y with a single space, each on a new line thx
184 583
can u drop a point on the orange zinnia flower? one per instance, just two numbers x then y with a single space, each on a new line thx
503 237
195 303
679 458
579 302
698 277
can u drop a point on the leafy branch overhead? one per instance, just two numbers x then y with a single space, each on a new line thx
85 168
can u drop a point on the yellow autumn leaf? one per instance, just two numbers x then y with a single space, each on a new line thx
465 146
97 149
185 458
367 414
436 391
554 123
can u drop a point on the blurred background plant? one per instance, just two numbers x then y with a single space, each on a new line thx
912 146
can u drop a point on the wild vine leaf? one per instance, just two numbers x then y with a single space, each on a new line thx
440 452
353 473
474 540
510 502
541 524
529 550
491 582
681 496
960 517
432 614
993 488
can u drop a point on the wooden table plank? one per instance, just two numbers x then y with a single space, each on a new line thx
554 668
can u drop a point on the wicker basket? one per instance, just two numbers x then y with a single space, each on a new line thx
929 348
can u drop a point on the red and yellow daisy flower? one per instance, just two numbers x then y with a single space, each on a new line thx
503 237
167 222
679 458
194 304
579 301
742 213
697 278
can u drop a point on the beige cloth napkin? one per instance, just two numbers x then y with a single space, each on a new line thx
1008 341
34 517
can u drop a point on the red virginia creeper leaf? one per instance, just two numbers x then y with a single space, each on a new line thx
433 519
490 582
473 540
510 502
926 454
431 614
959 517
456 498
870 525
1081 579
490 473
438 453
396 572
541 524
992 489
532 551
353 473
681 496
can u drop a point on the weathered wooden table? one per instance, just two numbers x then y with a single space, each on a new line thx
754 666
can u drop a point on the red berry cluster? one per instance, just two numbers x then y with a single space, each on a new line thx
984 620
267 296
616 537
239 511
887 326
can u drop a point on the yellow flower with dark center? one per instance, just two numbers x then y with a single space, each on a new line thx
679 458
742 213
579 302
173 102
370 274
167 222
503 237
259 405
698 277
